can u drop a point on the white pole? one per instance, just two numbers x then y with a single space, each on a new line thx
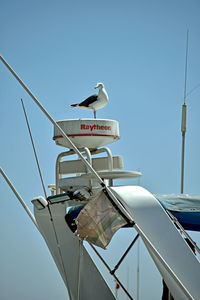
19 197
138 270
127 280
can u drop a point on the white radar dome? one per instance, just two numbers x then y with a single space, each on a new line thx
90 133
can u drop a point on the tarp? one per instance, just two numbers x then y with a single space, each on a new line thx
98 221
185 207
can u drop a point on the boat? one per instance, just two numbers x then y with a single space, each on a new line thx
86 208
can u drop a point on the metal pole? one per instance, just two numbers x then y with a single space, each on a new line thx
124 255
183 130
186 63
138 271
123 211
183 122
19 197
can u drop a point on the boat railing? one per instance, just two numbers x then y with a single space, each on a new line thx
76 167
182 231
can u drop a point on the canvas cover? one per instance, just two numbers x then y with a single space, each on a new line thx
180 202
184 207
98 221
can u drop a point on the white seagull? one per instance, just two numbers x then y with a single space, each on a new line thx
95 101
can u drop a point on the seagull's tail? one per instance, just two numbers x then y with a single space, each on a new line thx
74 105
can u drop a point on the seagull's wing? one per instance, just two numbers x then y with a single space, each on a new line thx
88 101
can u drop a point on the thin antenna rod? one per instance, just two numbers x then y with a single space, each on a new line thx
183 122
186 63
19 197
193 89
34 150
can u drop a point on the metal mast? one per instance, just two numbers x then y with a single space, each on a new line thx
183 121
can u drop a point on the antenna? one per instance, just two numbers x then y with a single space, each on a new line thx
186 60
34 150
183 121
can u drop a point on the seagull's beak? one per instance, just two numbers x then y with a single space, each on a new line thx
96 86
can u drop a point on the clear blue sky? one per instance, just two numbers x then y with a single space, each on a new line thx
61 49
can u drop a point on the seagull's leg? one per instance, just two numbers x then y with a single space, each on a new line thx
95 114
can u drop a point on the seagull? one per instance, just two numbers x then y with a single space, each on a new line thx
95 101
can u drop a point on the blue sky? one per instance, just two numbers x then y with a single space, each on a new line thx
61 49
